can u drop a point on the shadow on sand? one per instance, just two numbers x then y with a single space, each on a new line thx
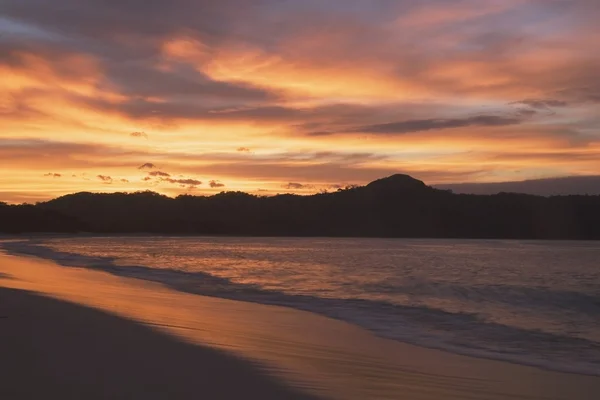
59 350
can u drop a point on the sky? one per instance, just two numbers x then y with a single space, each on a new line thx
300 96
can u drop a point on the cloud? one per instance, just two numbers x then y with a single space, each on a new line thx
200 37
147 166
126 67
328 92
105 178
53 175
125 180
139 134
24 147
146 178
322 173
542 187
42 154
541 103
585 94
189 181
419 125
159 173
299 116
180 80
215 184
297 186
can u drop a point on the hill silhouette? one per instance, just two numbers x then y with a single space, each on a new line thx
396 206
541 187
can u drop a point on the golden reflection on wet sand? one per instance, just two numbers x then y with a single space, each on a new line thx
326 356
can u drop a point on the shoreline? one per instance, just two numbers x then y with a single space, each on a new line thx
180 284
327 357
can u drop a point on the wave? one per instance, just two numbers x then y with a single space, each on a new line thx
457 332
518 296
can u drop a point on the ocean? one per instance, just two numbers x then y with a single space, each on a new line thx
528 302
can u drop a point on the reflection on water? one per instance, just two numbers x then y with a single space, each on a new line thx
529 302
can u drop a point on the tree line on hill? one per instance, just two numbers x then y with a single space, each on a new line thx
396 206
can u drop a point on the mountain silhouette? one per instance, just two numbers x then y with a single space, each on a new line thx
541 187
398 183
396 206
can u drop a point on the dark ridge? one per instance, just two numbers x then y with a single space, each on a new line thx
398 179
29 218
396 206
539 187
398 183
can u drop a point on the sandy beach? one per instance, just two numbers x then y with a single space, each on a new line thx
79 333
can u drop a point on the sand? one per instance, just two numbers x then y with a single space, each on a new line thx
85 334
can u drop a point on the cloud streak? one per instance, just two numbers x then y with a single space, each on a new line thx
147 166
105 179
297 186
420 125
159 173
139 134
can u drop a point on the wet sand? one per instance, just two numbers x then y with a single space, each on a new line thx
60 350
78 333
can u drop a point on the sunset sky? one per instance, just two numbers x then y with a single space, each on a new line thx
268 96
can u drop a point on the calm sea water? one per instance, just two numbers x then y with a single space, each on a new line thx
535 303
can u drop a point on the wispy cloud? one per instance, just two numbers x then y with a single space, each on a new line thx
189 181
542 103
105 179
139 134
419 125
147 166
298 186
216 184
159 173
